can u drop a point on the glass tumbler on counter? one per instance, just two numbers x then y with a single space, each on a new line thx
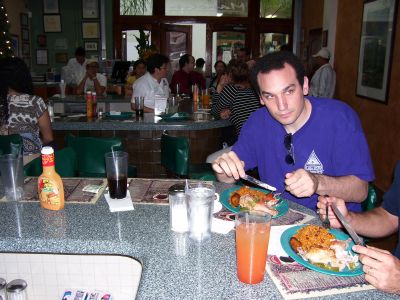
117 173
200 201
139 106
252 237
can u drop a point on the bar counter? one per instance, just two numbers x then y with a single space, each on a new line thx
174 267
140 135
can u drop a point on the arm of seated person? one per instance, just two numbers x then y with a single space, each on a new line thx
46 131
81 85
148 109
302 183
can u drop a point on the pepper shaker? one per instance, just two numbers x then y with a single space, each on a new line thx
16 290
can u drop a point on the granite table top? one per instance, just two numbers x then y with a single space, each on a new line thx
174 267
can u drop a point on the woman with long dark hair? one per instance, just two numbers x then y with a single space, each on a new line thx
22 112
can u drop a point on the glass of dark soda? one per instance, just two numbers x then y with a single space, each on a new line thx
117 173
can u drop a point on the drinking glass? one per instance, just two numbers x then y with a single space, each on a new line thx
252 237
200 202
117 173
139 106
12 176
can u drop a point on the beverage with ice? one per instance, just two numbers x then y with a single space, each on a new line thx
252 237
200 199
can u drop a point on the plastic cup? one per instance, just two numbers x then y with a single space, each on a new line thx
252 237
139 106
200 204
12 176
117 173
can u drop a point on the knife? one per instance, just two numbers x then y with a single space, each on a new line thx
346 224
258 182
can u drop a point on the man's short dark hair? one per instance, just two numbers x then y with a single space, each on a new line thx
80 52
200 62
277 61
138 62
245 50
156 61
184 60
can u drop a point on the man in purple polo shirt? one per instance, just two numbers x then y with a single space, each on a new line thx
304 145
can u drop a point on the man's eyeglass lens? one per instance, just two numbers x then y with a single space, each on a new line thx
289 147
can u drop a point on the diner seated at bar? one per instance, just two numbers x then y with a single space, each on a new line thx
176 150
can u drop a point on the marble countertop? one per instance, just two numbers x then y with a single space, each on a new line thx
148 122
174 267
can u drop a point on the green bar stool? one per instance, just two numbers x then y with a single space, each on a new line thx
90 154
175 158
66 164
10 143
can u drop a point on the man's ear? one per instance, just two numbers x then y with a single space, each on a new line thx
262 100
305 86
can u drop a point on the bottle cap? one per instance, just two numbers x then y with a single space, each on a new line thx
16 286
47 150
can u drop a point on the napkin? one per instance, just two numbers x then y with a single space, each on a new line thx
274 246
219 225
119 204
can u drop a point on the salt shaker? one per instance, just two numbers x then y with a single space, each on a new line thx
177 208
16 290
3 284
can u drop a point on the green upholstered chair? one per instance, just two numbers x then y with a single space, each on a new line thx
372 200
175 157
66 164
90 153
10 143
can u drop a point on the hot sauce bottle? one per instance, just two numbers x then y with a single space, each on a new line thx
89 105
50 185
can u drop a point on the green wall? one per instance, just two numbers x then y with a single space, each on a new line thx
70 35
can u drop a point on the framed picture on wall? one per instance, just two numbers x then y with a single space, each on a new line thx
41 40
24 20
52 23
61 58
25 34
376 49
41 57
25 49
50 7
15 44
91 46
90 30
90 9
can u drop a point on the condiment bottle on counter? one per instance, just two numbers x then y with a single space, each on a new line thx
89 105
50 185
195 97
94 103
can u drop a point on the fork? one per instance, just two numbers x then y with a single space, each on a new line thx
325 222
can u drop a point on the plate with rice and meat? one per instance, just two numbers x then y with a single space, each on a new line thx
323 250
240 198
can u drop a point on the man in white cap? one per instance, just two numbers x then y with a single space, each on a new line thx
324 79
92 81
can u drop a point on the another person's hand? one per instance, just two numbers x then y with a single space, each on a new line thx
225 114
301 183
224 80
228 167
381 268
323 201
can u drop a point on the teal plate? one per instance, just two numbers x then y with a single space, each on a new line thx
282 207
123 115
339 235
180 116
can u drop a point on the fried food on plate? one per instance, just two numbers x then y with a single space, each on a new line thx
251 199
320 247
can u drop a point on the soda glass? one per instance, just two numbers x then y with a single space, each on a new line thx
117 173
252 237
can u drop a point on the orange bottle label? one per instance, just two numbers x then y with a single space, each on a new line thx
48 191
48 160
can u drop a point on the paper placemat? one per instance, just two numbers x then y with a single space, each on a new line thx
152 191
72 190
295 281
